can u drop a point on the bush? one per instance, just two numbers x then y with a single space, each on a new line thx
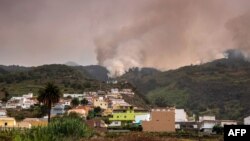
59 129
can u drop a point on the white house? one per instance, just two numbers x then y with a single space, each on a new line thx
3 113
227 122
180 115
29 95
207 123
202 118
127 92
13 103
65 102
73 95
26 103
58 109
118 103
142 117
115 91
16 98
247 120
115 124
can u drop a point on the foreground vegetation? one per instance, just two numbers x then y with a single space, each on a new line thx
60 129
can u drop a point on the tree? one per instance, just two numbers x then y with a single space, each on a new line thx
75 102
94 113
4 95
49 96
84 101
97 111
218 129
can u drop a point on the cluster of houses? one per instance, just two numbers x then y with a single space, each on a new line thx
118 112
21 102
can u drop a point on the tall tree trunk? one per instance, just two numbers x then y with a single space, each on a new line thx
49 110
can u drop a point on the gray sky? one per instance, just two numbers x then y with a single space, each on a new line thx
56 31
119 34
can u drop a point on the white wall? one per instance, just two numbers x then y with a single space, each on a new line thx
144 117
247 121
202 118
180 115
115 124
208 125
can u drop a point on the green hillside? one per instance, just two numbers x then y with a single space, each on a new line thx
69 79
220 87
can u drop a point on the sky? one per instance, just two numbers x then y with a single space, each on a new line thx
119 34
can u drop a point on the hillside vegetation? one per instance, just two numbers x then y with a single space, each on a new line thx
30 80
220 87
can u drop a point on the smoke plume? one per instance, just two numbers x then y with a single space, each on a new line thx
168 34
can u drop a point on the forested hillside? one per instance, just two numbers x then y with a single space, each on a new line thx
220 87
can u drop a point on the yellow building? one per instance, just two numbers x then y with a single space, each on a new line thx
100 102
7 122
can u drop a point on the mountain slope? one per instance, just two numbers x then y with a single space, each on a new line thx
68 78
220 87
14 68
95 71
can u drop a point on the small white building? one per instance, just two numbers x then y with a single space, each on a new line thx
127 92
115 91
58 109
29 95
73 95
16 98
142 117
115 124
3 113
207 123
247 120
227 122
202 118
180 115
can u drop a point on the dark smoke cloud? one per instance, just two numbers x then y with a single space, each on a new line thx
235 54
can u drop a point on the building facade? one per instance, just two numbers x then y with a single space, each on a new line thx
162 120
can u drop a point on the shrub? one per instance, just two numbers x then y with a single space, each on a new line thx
59 129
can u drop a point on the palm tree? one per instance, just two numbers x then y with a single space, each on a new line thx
49 96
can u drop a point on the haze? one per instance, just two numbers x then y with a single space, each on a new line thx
120 34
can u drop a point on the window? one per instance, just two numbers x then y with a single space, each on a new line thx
5 124
125 116
117 116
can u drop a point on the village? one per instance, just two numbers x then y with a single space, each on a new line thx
108 111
